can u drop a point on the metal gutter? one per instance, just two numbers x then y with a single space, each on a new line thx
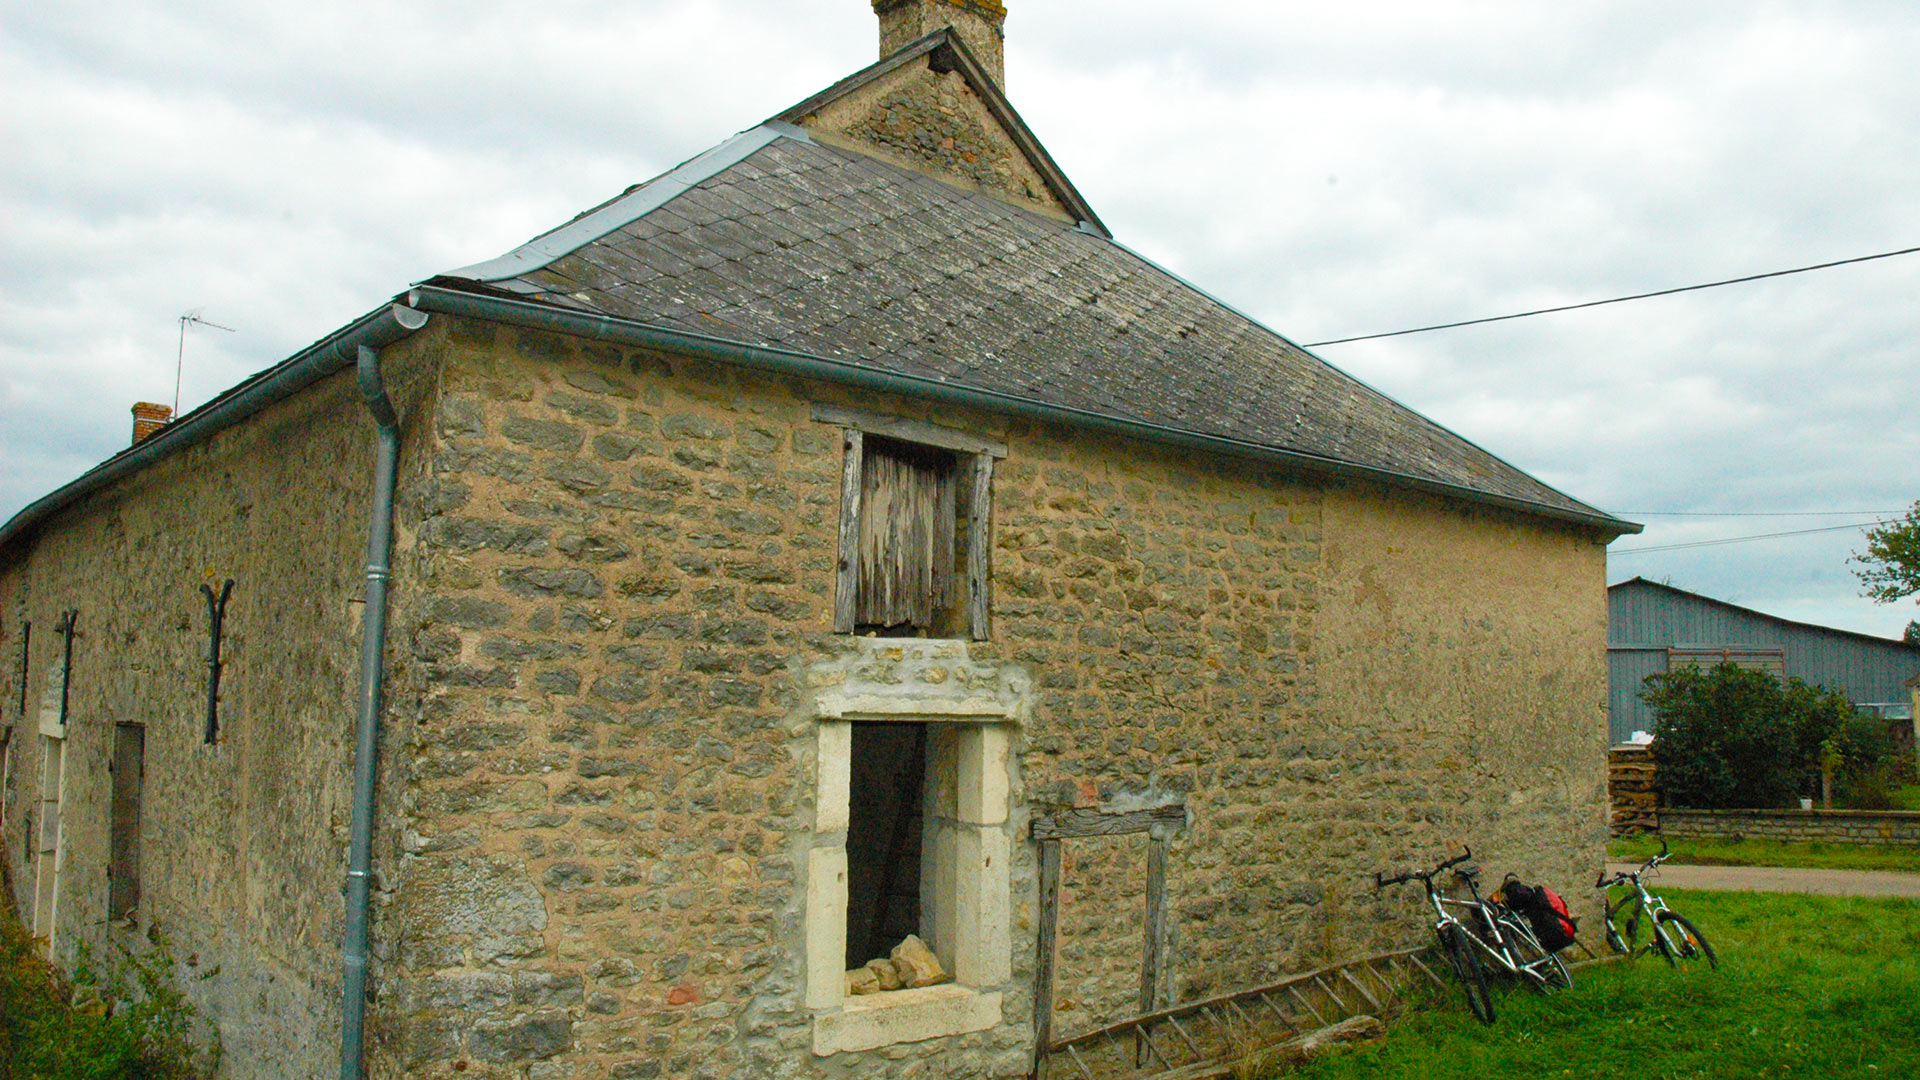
376 330
366 759
518 312
543 250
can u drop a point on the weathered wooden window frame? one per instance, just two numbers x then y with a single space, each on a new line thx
978 455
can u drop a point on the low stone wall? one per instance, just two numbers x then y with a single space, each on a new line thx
1798 826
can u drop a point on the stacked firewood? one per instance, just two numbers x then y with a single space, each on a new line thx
1631 792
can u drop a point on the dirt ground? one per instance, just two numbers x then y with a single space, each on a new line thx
1782 879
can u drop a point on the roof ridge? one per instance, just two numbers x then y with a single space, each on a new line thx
628 207
1638 579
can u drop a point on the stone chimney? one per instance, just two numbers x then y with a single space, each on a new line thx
980 23
149 418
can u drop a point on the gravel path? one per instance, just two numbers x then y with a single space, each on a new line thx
1782 879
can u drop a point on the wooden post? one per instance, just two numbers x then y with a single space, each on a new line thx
1043 967
979 547
1153 967
847 586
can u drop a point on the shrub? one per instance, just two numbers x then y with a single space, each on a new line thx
1729 738
99 1026
1865 779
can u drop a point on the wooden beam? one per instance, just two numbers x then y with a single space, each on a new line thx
1153 973
1075 824
980 548
847 583
918 431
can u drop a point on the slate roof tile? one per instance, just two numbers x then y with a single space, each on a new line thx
827 251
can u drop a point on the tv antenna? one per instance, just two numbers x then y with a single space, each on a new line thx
180 358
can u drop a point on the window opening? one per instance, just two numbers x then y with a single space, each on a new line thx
53 731
916 509
47 840
887 792
123 865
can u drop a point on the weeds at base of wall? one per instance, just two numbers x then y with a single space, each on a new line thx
128 1024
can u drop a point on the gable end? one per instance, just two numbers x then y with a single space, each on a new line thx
933 109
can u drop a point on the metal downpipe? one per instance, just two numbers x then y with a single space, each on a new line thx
366 760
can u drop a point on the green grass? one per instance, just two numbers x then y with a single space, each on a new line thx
1905 798
1808 987
1771 853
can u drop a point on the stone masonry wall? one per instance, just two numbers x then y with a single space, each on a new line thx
242 842
932 122
1461 657
626 565
1794 826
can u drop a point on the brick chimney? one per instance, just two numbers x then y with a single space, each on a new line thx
149 418
980 23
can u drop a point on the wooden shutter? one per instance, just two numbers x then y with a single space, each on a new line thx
906 549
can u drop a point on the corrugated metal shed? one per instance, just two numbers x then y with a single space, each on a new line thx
1648 622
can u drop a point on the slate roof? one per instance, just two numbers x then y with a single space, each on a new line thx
807 247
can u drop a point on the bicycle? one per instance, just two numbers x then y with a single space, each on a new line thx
1501 935
1674 935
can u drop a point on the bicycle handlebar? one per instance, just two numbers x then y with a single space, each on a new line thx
1380 882
1605 882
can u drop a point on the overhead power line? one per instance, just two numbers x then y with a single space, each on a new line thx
1616 299
1750 513
1744 539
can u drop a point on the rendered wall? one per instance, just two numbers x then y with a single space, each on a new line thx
628 575
242 842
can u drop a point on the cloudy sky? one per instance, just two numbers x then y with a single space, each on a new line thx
1333 169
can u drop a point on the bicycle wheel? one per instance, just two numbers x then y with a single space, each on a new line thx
1544 971
1471 973
1688 941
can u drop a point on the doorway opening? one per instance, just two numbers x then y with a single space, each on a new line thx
887 789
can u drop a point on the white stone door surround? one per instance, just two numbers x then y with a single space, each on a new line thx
966 860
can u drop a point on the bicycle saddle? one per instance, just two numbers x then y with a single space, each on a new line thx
1467 871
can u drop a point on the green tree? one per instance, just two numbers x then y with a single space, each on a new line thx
1890 567
1733 738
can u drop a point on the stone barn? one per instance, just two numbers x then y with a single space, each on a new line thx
657 623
